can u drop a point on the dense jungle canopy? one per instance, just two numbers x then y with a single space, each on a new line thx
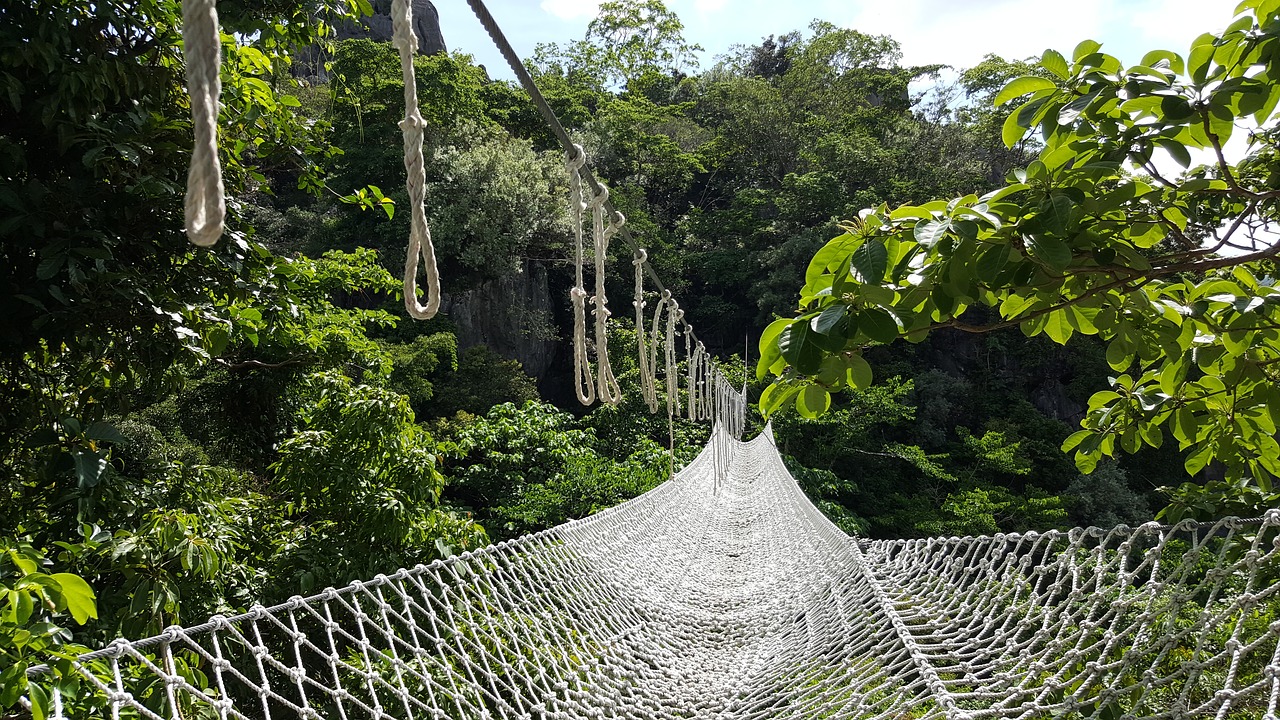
186 431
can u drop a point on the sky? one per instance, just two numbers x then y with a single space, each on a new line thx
951 32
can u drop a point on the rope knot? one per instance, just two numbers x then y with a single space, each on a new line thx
413 120
575 160
600 198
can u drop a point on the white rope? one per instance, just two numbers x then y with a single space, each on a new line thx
584 384
205 206
674 315
724 593
606 384
645 355
695 386
412 127
690 383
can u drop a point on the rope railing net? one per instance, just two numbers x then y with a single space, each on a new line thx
731 596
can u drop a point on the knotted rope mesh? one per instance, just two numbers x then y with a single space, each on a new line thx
736 598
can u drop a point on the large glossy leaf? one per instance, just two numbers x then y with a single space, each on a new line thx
1055 213
878 325
871 260
79 597
1022 86
798 346
813 401
1050 250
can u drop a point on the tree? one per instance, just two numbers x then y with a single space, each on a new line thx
104 297
626 40
1096 237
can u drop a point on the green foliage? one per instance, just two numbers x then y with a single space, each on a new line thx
416 366
176 564
626 40
481 380
357 459
528 468
103 291
34 607
1079 244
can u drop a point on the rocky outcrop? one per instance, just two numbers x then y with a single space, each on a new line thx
426 25
513 315
309 63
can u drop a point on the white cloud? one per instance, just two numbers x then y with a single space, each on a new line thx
960 34
571 9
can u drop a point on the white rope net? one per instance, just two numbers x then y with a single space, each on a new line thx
733 597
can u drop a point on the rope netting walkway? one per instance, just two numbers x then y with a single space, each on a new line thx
729 595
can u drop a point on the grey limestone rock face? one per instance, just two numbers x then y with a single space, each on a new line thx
426 25
513 315
309 63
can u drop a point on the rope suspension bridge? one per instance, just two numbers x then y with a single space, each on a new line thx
722 593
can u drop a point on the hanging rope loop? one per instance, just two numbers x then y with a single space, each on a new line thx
412 127
205 205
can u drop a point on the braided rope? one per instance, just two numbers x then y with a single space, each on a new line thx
584 384
205 205
606 384
695 388
412 127
690 386
674 315
645 357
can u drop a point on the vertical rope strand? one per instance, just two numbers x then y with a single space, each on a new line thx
648 387
205 205
606 384
584 383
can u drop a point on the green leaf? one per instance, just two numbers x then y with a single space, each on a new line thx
1075 439
1053 61
878 325
1022 86
776 396
1168 57
89 467
1055 213
831 255
1199 458
992 261
833 373
799 349
1058 328
1200 59
106 432
1177 151
40 704
81 602
768 345
860 375
1013 129
1050 250
1085 49
871 260
813 401
831 320
929 233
